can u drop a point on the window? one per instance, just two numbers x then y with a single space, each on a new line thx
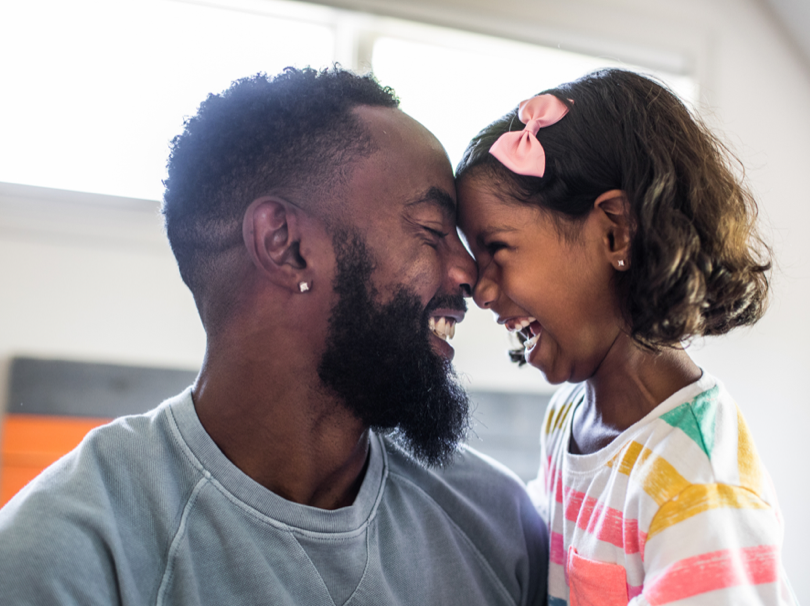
457 83
97 89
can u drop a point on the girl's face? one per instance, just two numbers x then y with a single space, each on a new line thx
560 294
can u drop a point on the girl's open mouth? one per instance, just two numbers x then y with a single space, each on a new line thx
528 328
531 333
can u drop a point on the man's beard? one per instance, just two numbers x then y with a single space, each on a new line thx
379 361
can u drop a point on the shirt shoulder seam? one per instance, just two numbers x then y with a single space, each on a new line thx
177 539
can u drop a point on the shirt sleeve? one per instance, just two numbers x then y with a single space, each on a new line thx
47 557
714 544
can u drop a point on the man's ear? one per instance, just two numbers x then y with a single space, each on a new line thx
614 210
270 230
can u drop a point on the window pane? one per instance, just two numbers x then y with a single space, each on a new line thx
457 87
95 89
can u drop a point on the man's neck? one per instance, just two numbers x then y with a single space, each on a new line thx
276 425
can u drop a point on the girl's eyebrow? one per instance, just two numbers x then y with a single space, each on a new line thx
491 230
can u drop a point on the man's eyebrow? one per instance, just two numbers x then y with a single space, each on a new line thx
437 197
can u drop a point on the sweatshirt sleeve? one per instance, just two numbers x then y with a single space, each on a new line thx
54 550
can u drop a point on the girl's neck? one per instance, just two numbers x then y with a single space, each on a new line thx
628 385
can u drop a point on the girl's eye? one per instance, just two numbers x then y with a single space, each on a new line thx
493 247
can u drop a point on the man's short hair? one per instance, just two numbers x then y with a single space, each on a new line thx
292 135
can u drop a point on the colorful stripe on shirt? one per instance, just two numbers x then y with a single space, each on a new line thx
692 470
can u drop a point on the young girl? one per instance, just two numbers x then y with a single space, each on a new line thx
608 229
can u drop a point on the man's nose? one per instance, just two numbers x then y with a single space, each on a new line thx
462 270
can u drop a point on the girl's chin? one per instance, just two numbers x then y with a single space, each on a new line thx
549 378
532 358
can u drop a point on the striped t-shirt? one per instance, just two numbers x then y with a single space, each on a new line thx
677 509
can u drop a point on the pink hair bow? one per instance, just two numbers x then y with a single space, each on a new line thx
520 151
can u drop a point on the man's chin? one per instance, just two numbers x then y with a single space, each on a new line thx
388 364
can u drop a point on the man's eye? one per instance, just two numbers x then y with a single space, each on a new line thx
435 232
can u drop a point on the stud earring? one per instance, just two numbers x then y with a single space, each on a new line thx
621 262
303 286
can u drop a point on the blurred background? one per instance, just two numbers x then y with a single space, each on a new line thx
93 310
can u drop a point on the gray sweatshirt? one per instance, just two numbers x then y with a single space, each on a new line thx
147 510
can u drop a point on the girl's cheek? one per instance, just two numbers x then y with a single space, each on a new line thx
519 287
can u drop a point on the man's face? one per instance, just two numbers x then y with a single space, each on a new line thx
402 274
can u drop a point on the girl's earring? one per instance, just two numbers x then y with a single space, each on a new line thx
303 286
621 262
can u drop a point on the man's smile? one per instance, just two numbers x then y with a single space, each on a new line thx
442 323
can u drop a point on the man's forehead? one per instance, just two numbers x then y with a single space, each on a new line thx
408 167
378 114
389 125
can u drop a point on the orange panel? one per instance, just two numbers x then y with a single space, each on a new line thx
32 442
45 433
13 478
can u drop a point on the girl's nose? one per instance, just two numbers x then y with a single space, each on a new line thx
486 292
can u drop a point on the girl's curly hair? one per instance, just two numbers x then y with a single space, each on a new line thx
698 264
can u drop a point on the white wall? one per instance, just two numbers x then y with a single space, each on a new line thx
81 280
91 277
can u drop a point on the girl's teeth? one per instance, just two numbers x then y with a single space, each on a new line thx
521 324
529 343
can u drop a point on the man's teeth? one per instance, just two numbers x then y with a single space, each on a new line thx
444 328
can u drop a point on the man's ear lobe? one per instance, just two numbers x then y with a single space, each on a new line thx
271 236
614 208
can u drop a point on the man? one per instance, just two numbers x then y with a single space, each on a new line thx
316 459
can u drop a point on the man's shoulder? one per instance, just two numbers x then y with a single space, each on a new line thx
127 446
484 505
115 497
473 489
121 472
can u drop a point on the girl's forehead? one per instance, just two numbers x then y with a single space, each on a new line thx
480 199
484 213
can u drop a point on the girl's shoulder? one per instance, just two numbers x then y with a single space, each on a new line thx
698 436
